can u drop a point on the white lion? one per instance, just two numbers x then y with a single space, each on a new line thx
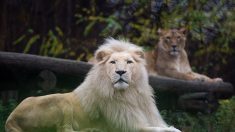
115 97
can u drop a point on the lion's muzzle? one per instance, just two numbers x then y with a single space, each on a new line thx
121 79
174 50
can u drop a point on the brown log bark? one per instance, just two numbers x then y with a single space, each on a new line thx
176 85
34 62
80 69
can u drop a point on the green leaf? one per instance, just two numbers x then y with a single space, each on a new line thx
21 38
89 28
30 43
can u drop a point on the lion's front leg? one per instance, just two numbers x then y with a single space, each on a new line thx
159 129
68 117
66 128
201 77
91 130
178 75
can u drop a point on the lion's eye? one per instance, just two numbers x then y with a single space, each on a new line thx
112 62
129 62
178 38
168 38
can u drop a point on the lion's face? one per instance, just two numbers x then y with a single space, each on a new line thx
119 68
172 40
122 66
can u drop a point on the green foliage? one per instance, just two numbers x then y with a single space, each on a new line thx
223 120
225 116
111 25
5 111
50 45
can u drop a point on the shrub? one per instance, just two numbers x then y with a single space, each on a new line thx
5 111
223 120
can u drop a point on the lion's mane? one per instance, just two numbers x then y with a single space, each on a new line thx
121 108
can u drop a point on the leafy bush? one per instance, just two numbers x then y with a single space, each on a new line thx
51 45
5 111
223 120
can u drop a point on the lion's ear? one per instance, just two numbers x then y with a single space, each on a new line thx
139 54
101 55
159 31
183 31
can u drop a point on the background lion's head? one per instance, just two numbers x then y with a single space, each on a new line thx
172 40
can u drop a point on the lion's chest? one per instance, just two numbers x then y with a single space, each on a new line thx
180 66
121 114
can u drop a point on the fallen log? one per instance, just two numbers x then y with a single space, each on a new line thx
190 94
34 62
223 89
79 68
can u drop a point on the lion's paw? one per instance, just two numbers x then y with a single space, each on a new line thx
172 129
200 79
217 79
92 130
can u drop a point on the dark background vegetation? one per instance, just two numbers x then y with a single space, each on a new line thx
73 29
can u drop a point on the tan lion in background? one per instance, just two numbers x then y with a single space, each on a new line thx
170 59
115 97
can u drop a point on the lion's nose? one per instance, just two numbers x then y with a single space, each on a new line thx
120 72
174 46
